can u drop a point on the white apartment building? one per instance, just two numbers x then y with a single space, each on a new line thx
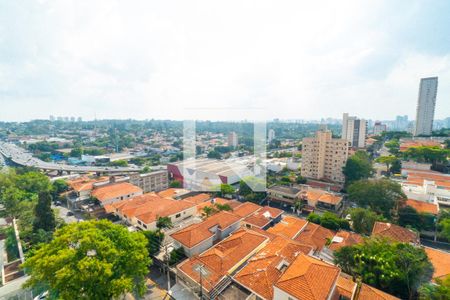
354 131
324 157
232 139
379 128
151 182
270 135
425 106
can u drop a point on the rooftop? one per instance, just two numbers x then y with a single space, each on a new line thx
394 232
197 199
289 227
115 190
223 258
263 216
246 209
346 286
308 278
285 189
84 183
440 260
370 293
317 195
265 268
423 207
197 233
345 238
315 236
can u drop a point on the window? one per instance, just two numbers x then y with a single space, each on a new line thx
177 215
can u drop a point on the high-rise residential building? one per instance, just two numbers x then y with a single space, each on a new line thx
270 135
401 122
354 131
425 106
232 139
324 157
378 128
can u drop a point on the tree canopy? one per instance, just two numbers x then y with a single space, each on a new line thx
90 260
382 195
358 166
396 268
363 220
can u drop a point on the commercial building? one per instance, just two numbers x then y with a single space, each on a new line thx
151 182
270 135
233 139
324 157
425 106
207 174
354 130
427 186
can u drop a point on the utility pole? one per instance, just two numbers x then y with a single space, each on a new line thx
200 269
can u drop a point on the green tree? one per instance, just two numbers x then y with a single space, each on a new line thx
387 160
383 196
300 180
358 166
154 239
176 256
408 216
396 167
12 198
76 152
438 291
59 186
90 260
444 226
393 146
429 154
226 189
396 268
209 210
175 184
44 216
314 218
363 220
223 207
33 182
214 154
164 222
119 163
249 184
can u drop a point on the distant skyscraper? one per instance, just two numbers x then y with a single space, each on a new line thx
401 122
425 106
354 131
52 118
80 119
378 128
232 139
271 135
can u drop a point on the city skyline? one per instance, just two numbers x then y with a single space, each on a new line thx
113 60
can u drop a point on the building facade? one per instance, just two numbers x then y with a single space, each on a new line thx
151 182
425 106
324 157
354 131
232 139
379 128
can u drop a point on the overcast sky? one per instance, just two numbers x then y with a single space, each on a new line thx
221 59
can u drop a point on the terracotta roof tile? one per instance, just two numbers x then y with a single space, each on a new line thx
308 278
197 199
115 190
345 286
263 216
423 207
289 227
370 293
315 236
394 232
246 209
440 260
345 238
265 268
197 233
221 259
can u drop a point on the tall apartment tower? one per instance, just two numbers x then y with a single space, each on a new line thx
425 106
232 139
271 135
354 131
324 157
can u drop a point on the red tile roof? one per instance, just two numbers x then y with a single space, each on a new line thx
115 190
370 293
315 236
223 258
197 233
346 287
84 183
289 227
394 232
423 207
440 261
149 207
246 209
263 216
345 238
265 268
308 278
197 199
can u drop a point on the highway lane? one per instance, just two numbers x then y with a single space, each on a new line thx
24 158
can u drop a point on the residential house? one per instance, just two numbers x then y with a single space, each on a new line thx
212 269
441 262
395 232
289 227
315 236
111 193
284 194
197 238
321 199
263 218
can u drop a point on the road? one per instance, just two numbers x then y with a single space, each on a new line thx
24 158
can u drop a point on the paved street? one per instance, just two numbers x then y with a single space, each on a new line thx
62 212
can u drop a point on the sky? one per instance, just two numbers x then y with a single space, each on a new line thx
221 60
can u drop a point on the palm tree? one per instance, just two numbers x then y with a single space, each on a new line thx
164 222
